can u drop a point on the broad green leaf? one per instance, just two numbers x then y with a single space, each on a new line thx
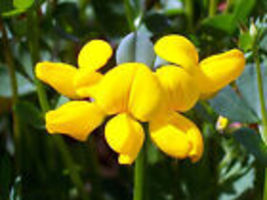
24 85
223 22
22 4
136 47
251 140
248 87
228 104
242 9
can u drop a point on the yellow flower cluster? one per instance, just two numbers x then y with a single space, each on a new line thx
131 93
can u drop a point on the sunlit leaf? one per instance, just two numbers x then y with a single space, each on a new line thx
23 4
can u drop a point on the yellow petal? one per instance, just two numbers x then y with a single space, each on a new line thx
177 136
94 55
205 96
125 136
125 159
179 50
85 82
114 89
219 70
75 118
146 93
181 88
222 123
59 76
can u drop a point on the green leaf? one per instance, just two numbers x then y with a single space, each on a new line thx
242 9
251 140
29 114
223 22
247 85
24 85
136 47
22 4
228 104
246 41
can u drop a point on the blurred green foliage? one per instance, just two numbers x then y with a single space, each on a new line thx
33 166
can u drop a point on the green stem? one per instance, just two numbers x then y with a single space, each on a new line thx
261 95
128 12
212 7
263 108
265 186
139 173
14 86
189 12
34 49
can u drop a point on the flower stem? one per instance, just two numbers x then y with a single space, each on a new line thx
129 15
33 38
261 95
14 85
189 12
139 172
263 108
212 7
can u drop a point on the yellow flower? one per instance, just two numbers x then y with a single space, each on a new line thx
129 91
71 81
209 75
76 118
184 82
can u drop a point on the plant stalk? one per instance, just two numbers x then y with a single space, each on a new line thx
212 7
189 12
129 15
139 173
14 85
263 108
33 38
